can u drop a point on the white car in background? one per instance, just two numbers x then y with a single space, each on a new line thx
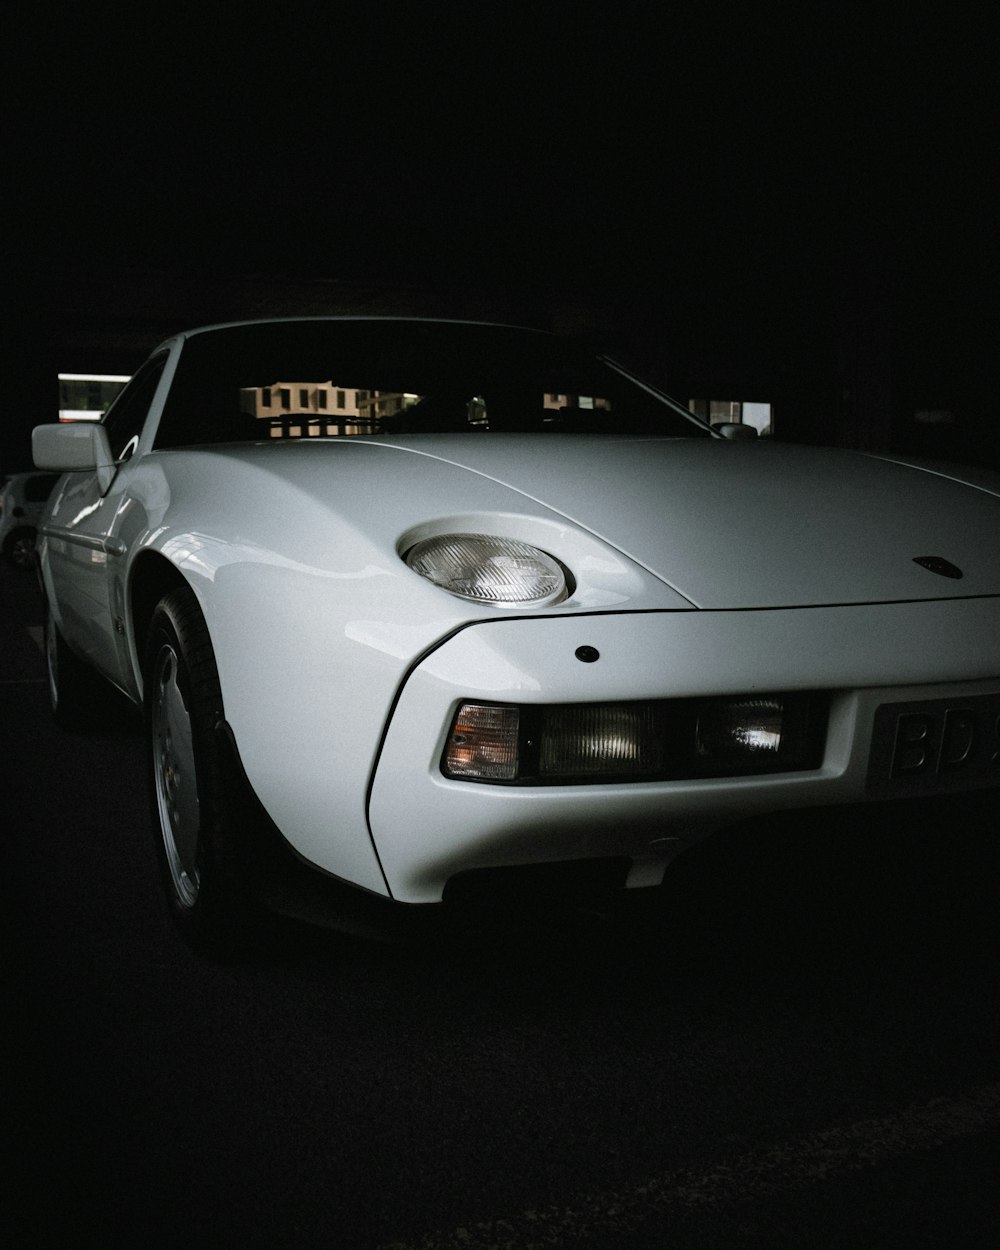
22 501
418 609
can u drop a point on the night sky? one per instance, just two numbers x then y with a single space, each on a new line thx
478 139
748 160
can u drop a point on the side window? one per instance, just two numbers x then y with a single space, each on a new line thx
126 416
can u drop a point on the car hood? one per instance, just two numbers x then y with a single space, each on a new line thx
734 525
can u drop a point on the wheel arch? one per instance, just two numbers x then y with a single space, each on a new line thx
152 576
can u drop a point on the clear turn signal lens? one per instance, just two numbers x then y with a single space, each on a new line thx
489 570
483 744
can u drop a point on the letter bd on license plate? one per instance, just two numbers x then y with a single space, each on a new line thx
935 746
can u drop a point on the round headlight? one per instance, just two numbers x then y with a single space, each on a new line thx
488 570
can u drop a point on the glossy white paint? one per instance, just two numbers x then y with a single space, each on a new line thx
754 524
427 826
73 446
696 566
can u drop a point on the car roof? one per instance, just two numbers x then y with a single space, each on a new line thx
183 335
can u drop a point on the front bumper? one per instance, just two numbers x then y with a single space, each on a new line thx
427 828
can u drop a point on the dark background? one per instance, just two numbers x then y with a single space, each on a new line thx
792 204
795 209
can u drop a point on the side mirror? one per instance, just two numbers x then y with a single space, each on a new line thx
73 448
736 430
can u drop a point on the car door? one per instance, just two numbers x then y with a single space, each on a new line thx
84 554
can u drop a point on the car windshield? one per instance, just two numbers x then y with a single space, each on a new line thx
319 378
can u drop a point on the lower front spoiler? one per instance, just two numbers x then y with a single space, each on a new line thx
281 882
545 897
875 663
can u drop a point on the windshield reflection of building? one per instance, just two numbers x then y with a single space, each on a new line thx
320 409
324 409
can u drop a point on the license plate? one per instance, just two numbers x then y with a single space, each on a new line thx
935 746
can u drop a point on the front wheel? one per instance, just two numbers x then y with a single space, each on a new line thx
192 804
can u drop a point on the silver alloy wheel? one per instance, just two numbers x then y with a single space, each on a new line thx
175 778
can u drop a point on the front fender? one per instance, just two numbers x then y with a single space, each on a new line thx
309 664
315 618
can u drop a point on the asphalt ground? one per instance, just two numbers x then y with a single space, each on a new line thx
799 1049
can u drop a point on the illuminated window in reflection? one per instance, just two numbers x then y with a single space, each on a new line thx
326 410
86 396
585 403
736 411
322 409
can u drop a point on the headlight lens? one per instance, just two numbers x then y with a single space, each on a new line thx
658 740
489 570
740 729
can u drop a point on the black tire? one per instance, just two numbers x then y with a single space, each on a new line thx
19 548
75 690
195 810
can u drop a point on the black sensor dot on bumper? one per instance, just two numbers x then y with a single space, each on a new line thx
587 654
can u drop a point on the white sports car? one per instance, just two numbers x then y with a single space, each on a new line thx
419 610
